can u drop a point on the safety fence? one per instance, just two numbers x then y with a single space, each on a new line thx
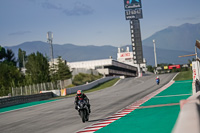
37 88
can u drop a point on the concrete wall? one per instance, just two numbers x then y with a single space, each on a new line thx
89 85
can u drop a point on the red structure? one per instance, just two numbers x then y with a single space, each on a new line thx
174 66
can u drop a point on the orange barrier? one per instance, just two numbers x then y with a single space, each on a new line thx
63 92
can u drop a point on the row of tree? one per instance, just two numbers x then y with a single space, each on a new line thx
37 70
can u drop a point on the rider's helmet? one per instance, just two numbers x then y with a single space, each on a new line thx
157 77
79 93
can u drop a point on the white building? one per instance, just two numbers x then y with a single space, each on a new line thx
127 57
107 67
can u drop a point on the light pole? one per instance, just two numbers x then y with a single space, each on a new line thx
154 44
50 40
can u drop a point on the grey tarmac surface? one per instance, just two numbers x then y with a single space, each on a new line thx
61 117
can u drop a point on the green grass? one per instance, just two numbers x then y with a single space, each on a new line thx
103 85
186 75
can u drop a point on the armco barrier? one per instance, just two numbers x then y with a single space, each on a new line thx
189 117
89 85
5 102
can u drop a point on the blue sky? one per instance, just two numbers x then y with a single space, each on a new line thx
88 22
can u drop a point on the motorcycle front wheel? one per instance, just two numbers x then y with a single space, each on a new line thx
82 114
87 117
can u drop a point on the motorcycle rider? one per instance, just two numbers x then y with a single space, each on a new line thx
81 96
157 80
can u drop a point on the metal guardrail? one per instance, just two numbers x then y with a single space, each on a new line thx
5 102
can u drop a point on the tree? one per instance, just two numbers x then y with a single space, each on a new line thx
63 70
9 74
10 57
10 77
2 52
37 68
150 68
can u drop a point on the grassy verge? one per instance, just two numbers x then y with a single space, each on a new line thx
103 85
186 75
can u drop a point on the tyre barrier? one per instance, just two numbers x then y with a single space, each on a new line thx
5 102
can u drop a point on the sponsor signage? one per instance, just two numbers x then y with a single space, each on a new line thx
174 66
133 14
125 55
132 4
165 67
195 69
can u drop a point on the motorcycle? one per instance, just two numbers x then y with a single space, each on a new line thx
83 110
158 81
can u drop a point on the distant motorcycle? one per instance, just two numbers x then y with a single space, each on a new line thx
83 110
157 81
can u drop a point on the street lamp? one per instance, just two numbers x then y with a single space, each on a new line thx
154 44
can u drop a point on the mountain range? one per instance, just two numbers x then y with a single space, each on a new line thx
170 43
181 37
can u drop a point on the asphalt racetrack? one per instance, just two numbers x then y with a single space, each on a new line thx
61 117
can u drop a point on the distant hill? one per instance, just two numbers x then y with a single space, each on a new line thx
170 43
181 38
73 53
68 52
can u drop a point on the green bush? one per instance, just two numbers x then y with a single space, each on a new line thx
83 78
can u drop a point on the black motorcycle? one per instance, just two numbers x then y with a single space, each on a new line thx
83 110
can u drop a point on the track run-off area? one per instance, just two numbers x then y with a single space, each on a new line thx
133 105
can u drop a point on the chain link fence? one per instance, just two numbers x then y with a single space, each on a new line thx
36 88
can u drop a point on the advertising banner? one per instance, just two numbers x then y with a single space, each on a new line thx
125 54
132 4
165 67
174 66
195 69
